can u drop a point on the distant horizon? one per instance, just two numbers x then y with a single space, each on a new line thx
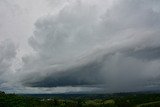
90 93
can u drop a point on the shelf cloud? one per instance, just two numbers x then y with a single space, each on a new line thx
113 45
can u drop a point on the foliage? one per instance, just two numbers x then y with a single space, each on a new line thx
114 100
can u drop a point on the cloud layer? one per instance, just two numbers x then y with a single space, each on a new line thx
86 45
113 45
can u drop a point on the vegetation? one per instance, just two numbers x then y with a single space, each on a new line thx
113 100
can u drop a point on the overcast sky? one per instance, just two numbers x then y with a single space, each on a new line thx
60 46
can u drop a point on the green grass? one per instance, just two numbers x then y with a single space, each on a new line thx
150 104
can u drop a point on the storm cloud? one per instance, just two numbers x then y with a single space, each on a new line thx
89 45
111 46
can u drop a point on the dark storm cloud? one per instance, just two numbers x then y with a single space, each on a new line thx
152 53
72 77
87 44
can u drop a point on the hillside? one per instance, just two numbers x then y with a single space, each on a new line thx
101 100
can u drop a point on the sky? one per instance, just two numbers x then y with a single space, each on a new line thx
79 46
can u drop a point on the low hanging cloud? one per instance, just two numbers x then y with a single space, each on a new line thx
116 48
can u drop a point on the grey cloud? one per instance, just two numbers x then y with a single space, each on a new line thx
72 77
7 54
85 45
152 53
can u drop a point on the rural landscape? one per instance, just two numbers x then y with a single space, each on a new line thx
82 100
79 53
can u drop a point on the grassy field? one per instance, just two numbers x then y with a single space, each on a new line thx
150 104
